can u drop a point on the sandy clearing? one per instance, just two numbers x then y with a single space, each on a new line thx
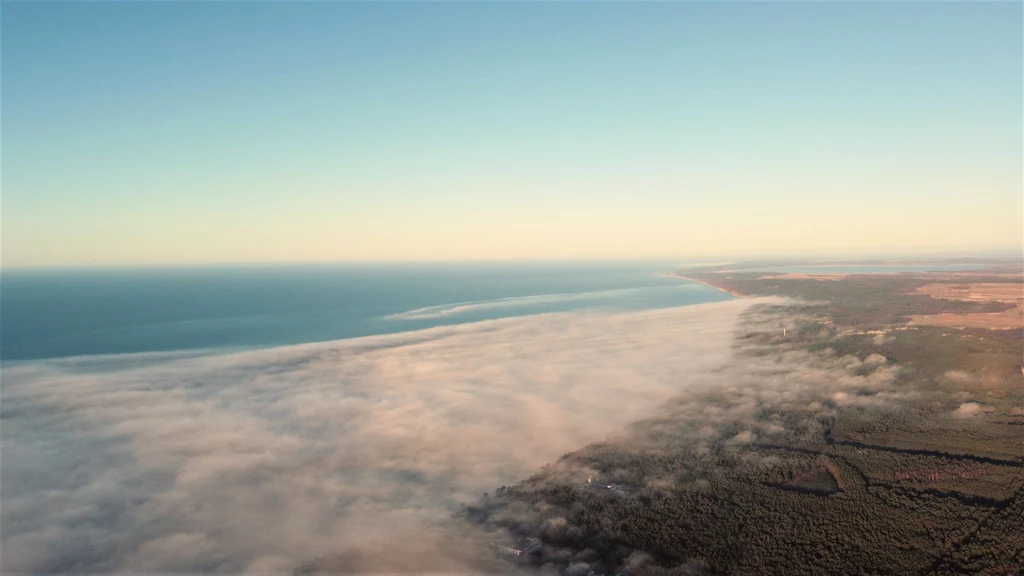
803 276
1006 320
976 292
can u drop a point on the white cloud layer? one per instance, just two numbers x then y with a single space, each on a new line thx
256 461
969 409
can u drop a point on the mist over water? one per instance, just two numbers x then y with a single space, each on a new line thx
259 460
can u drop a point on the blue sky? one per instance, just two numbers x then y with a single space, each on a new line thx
222 132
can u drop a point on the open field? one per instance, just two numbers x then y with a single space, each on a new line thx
1009 319
977 292
803 276
1005 320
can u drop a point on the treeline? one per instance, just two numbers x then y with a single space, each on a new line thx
730 520
814 498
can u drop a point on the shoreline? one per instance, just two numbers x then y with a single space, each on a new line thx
730 292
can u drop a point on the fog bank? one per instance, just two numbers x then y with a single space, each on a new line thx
256 461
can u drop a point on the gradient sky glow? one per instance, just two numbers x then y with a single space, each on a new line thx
164 133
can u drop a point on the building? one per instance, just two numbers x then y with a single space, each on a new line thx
521 549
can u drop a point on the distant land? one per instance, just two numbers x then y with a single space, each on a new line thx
871 422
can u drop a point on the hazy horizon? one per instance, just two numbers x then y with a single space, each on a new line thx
923 255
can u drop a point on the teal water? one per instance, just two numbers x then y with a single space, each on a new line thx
50 314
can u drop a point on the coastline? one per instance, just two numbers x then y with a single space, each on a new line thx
720 289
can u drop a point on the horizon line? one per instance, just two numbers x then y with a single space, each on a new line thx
1000 254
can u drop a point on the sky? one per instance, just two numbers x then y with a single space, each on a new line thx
207 132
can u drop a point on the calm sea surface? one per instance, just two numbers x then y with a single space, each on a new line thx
48 314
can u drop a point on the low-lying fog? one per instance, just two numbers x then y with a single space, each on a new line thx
259 460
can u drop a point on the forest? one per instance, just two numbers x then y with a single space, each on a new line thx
848 443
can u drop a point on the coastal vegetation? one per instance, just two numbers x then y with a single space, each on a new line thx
848 441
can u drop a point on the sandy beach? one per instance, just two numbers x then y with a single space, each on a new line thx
720 289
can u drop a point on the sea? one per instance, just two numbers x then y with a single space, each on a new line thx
76 312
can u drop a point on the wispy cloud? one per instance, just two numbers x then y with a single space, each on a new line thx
464 307
596 297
